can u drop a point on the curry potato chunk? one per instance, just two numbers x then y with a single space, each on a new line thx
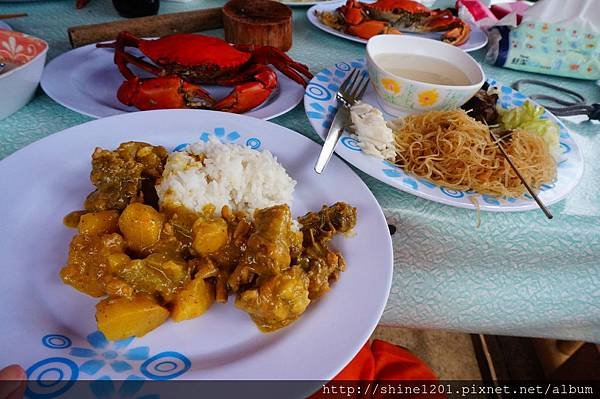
117 261
88 263
193 300
141 226
120 318
103 222
277 301
209 235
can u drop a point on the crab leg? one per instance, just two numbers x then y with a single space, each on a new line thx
248 95
368 29
280 60
122 58
162 93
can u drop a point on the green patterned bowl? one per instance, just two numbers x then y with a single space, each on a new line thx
398 95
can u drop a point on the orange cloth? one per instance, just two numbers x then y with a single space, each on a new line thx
384 361
381 361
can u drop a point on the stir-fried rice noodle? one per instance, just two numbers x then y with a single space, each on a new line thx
454 150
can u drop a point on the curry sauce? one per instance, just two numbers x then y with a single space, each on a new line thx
152 263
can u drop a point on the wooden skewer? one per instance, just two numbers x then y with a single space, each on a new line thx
534 195
8 16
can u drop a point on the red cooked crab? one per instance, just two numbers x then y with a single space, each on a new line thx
389 16
181 62
358 23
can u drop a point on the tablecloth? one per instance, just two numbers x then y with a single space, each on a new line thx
517 274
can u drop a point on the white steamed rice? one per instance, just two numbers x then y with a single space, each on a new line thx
230 174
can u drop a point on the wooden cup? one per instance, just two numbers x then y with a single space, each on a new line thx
258 22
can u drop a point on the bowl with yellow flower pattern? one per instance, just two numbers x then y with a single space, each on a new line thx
415 74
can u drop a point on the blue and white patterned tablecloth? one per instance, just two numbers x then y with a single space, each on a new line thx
517 274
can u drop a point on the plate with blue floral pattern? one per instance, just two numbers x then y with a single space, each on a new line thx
320 106
49 328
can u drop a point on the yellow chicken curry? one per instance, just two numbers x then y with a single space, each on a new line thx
153 263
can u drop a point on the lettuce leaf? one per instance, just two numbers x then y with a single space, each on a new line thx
528 117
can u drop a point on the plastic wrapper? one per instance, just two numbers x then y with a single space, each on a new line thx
503 9
477 12
554 38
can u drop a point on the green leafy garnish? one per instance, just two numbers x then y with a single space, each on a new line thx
528 117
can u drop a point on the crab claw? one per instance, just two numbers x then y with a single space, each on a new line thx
352 12
163 92
457 31
368 29
458 35
244 97
248 95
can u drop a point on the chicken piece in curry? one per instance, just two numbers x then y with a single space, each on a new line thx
151 263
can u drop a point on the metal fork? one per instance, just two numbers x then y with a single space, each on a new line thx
351 90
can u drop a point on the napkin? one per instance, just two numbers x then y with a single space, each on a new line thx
554 38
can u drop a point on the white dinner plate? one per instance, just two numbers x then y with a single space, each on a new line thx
50 329
320 106
86 80
5 26
477 40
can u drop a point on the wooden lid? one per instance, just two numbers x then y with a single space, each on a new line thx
258 11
